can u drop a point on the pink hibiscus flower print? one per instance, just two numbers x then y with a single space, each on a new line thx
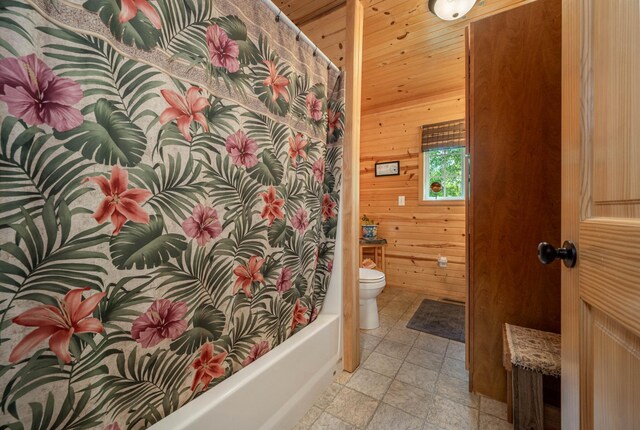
328 207
119 203
296 148
318 169
330 266
223 51
242 149
114 426
163 320
277 83
314 107
208 367
248 274
34 94
257 351
130 9
300 220
58 323
299 317
283 283
203 225
272 206
185 109
333 120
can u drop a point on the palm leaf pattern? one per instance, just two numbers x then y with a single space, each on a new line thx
163 199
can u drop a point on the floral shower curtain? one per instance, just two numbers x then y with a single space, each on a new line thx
169 187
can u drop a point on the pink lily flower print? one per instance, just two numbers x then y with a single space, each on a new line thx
248 274
277 83
296 148
34 94
186 110
318 169
272 206
283 283
242 149
70 317
208 367
299 317
163 320
203 225
120 203
130 9
328 207
314 107
333 120
257 351
300 220
223 51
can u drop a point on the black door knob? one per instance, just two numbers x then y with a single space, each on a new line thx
547 253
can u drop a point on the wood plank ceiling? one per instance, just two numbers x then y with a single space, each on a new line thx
409 54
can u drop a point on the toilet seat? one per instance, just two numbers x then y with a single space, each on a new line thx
370 275
371 279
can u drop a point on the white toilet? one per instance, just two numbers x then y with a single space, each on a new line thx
372 283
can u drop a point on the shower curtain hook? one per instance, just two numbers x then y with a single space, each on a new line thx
298 35
278 16
315 51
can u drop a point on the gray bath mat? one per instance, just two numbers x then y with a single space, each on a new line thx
439 318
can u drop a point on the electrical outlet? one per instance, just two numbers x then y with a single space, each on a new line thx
400 200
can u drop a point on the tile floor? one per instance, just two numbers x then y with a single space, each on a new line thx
407 380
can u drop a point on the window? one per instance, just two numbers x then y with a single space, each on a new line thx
443 175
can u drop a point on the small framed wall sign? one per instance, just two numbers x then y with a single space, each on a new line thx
390 168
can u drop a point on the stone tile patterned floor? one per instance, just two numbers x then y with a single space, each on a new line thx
407 380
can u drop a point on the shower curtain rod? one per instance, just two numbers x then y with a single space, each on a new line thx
285 19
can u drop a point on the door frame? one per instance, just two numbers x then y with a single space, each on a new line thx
351 187
574 97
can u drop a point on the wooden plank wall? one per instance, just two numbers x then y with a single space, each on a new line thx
417 234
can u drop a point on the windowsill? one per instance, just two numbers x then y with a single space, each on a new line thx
441 202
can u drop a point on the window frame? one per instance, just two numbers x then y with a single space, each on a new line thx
444 200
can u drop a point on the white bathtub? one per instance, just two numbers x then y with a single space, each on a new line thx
274 392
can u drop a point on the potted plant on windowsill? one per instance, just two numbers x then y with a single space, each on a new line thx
369 228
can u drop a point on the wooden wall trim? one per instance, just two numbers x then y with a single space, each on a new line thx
351 187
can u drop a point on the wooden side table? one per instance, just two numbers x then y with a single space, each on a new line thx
378 246
528 355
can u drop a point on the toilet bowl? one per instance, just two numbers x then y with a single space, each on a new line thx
372 283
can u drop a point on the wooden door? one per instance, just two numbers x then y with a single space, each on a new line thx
515 147
601 213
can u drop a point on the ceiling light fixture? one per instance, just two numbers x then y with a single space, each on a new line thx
450 10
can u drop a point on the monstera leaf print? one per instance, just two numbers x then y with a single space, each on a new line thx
112 139
279 232
208 323
138 31
269 171
144 245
